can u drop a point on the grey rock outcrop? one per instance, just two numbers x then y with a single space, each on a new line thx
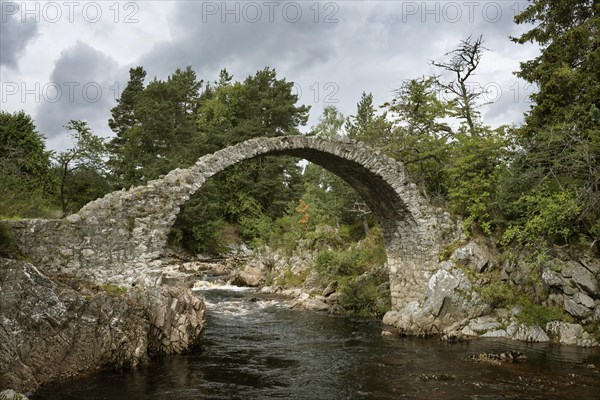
52 329
527 333
474 256
574 286
572 334
10 394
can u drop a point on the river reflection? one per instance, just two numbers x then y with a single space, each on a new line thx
260 349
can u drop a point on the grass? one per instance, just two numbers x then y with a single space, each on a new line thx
114 290
289 279
537 314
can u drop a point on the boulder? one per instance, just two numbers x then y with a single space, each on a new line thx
310 304
564 332
251 276
527 333
572 334
449 299
553 279
450 295
473 256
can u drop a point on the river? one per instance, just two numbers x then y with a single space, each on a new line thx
258 348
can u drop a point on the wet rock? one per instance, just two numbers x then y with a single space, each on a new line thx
173 274
268 290
484 324
311 304
498 333
467 331
499 358
527 333
294 293
436 377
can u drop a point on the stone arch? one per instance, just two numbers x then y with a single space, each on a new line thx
120 238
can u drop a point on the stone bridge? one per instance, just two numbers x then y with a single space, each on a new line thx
121 237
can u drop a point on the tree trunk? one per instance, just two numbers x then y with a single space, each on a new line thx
368 233
63 204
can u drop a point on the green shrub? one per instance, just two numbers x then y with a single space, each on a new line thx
323 236
550 216
361 298
208 236
114 290
289 279
497 293
593 329
537 314
325 262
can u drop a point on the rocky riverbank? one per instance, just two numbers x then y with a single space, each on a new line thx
470 295
52 328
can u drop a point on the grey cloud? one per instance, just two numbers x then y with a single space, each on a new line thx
373 46
83 85
14 34
210 42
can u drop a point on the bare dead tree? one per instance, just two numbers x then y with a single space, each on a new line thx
463 62
361 209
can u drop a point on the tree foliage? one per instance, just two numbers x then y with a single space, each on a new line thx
420 136
154 125
560 141
26 179
258 190
85 159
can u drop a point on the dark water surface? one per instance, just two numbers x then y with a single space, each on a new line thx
263 350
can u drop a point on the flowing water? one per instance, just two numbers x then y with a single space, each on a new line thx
259 348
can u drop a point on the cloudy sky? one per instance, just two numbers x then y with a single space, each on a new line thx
62 60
